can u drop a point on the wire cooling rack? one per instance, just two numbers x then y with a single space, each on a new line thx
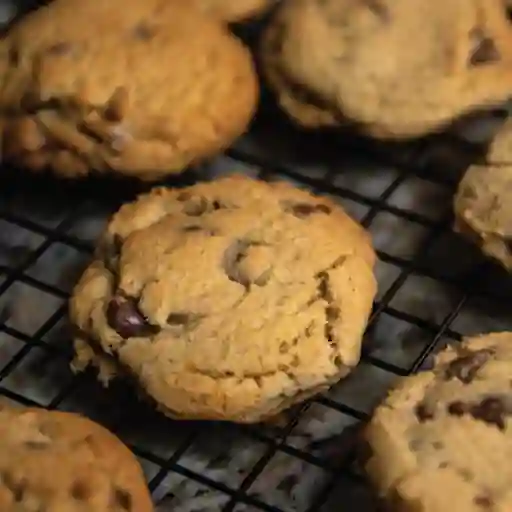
433 288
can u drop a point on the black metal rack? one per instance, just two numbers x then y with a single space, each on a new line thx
434 288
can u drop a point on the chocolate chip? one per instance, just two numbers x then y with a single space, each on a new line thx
179 318
303 210
332 312
483 501
80 491
484 50
16 487
378 8
14 55
423 413
117 106
59 49
492 410
123 499
125 318
457 408
143 31
466 368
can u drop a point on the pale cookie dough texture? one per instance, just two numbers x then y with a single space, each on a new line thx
442 440
139 87
483 208
228 300
61 462
392 68
233 11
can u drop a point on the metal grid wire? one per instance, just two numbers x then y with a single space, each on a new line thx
434 288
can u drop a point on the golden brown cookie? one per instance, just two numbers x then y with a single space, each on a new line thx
301 105
227 300
442 439
482 205
54 461
142 88
233 11
394 68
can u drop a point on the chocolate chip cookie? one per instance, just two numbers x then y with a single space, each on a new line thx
142 88
227 300
390 68
442 440
482 206
233 11
54 461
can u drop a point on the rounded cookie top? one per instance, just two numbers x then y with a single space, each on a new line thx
482 206
231 299
234 11
56 461
302 106
143 88
442 440
398 68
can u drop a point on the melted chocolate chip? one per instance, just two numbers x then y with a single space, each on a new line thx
123 499
125 318
492 410
59 49
423 413
14 55
466 368
484 49
303 210
144 32
378 8
457 408
16 487
80 491
483 501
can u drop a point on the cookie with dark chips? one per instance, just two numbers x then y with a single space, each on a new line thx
394 69
55 461
442 439
143 88
229 300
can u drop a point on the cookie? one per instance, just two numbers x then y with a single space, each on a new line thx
141 88
482 203
442 439
228 300
234 11
301 105
57 461
393 69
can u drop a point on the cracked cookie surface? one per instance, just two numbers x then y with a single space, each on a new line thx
54 462
231 299
442 440
142 88
482 208
392 68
